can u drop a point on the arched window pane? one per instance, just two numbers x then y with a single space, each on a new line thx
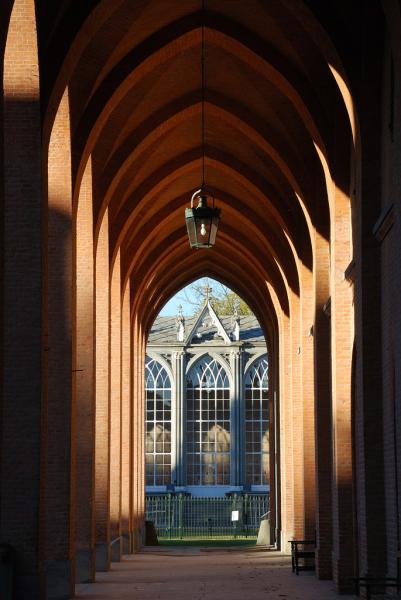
158 424
208 424
257 424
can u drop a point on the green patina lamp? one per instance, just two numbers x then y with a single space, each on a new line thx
202 220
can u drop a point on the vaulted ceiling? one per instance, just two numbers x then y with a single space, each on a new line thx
273 108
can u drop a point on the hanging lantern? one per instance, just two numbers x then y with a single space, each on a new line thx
202 221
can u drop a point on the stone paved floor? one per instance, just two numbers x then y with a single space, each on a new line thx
209 574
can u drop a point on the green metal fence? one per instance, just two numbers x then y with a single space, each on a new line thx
178 516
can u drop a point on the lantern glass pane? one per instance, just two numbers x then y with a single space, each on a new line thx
213 230
191 229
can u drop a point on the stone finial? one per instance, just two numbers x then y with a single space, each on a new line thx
236 325
180 324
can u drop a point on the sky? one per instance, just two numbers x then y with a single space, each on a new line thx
171 308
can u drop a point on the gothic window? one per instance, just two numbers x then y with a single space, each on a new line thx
158 423
257 423
208 424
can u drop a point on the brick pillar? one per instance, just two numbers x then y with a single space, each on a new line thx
83 378
298 498
277 384
341 349
136 446
323 421
21 409
369 430
286 437
126 424
115 410
308 401
274 432
57 310
388 231
102 438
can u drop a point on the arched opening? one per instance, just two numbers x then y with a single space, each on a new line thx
209 412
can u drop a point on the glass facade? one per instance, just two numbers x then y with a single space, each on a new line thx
208 424
204 452
158 424
257 424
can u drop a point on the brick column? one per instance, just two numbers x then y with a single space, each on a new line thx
115 410
286 437
21 408
83 378
323 420
298 498
388 232
341 351
126 424
370 439
58 395
136 442
138 490
102 451
308 401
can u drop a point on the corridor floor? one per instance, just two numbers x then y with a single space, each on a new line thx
206 574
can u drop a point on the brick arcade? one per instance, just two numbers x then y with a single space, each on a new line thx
100 153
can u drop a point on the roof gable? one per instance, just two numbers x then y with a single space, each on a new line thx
207 312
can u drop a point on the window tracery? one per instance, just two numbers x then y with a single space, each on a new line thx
257 423
158 423
208 424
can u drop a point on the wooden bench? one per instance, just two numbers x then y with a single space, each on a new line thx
302 549
375 583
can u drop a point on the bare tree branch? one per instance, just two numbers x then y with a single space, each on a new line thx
223 299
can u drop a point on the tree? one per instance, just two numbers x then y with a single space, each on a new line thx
222 298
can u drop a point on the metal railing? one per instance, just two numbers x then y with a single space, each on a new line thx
179 516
